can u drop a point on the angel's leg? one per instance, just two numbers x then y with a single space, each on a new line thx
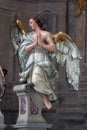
41 85
47 103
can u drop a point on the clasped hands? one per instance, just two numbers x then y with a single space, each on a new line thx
39 40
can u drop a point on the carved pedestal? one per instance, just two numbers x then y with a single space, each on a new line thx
30 108
30 105
1 118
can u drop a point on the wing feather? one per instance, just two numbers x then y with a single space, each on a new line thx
16 33
67 53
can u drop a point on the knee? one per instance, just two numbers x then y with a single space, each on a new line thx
34 80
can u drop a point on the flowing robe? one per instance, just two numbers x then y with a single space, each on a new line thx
37 67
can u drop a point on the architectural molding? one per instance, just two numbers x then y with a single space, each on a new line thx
8 11
10 14
49 18
43 1
85 47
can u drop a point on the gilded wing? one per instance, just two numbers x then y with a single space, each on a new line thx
67 53
16 33
61 36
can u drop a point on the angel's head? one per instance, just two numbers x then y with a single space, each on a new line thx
36 22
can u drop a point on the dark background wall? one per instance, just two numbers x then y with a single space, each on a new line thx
59 15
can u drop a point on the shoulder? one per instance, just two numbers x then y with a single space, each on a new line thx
29 33
46 33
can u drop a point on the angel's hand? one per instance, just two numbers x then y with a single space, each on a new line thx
31 46
36 42
39 39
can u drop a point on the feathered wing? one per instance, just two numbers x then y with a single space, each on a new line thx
16 33
67 53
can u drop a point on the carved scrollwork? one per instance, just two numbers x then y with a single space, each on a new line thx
80 5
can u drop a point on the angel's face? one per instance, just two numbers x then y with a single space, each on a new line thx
32 24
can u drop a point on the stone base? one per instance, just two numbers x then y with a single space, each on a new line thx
26 127
30 105
1 118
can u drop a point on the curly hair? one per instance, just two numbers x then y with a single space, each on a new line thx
40 23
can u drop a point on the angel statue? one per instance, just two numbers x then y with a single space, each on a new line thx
35 50
3 72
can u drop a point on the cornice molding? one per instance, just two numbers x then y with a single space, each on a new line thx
7 10
85 48
43 1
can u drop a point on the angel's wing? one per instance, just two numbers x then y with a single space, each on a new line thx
2 83
67 53
16 33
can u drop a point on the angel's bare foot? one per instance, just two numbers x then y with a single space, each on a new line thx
47 103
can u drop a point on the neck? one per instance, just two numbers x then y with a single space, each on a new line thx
38 29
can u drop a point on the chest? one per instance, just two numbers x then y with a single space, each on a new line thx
41 36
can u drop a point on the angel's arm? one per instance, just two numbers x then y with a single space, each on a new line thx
30 46
50 46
